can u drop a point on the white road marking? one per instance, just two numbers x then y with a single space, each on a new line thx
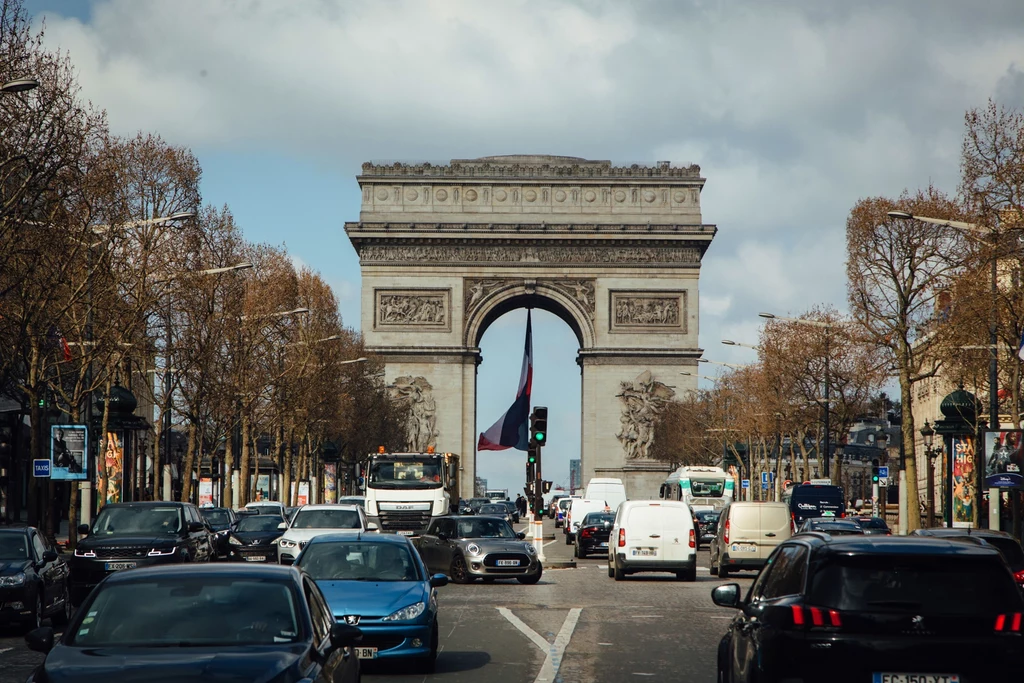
554 650
5 649
609 644
637 673
721 617
550 542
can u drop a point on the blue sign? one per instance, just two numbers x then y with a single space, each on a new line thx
883 472
745 483
40 468
1006 480
764 485
767 478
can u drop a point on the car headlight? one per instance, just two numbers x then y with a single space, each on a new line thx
407 613
473 549
162 552
19 578
234 541
285 543
530 550
84 553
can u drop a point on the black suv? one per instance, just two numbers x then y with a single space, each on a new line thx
33 579
130 535
856 608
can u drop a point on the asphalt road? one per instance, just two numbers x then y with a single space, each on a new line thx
574 625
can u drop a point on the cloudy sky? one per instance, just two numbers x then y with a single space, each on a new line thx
793 110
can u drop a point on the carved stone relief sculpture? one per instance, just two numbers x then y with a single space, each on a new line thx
648 310
581 291
570 255
412 308
476 291
643 399
416 395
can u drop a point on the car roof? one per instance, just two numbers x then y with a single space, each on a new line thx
16 529
862 544
329 506
147 504
366 537
948 532
230 570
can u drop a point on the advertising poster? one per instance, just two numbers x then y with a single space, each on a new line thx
330 482
1004 458
303 497
263 487
964 478
68 446
113 466
205 491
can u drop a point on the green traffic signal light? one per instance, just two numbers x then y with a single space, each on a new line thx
533 458
539 436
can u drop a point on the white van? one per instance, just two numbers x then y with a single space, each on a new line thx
653 536
747 534
607 489
578 509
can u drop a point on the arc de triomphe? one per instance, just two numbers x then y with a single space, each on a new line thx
614 251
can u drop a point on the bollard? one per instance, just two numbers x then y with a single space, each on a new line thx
538 539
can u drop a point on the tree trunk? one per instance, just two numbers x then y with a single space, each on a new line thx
289 459
243 471
189 465
910 449
229 464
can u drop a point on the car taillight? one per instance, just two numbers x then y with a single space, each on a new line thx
693 542
1008 623
584 533
1019 576
842 515
815 617
622 538
792 522
725 534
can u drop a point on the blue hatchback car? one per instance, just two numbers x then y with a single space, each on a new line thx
379 583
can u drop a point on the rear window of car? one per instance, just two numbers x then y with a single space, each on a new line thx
1010 549
872 523
926 584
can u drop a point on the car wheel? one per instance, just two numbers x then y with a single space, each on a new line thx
35 619
723 572
723 661
66 610
619 574
611 571
568 539
687 575
576 552
459 572
531 579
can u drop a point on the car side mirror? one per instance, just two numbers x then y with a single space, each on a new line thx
40 639
521 535
727 595
49 555
344 635
372 526
196 526
283 526
441 536
84 529
438 580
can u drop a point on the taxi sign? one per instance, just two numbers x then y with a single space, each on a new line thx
828 513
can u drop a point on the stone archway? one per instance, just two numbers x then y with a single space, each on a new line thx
614 251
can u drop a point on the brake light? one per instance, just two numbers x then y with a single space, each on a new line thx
725 534
622 538
819 616
584 533
792 522
842 515
693 543
1019 576
1008 623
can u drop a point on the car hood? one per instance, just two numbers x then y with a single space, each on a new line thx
306 534
9 567
496 545
247 664
256 537
372 599
133 541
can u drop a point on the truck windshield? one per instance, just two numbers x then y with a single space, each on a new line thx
406 473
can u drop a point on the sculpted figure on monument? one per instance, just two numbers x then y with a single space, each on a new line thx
644 310
412 309
477 290
416 395
643 400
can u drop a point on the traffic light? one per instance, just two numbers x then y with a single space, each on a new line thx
539 426
874 471
531 455
531 473
547 487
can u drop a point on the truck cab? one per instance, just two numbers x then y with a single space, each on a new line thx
405 491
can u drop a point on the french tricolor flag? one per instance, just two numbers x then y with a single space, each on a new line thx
512 430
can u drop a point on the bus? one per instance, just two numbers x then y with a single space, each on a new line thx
708 488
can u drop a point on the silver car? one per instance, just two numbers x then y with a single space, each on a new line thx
485 547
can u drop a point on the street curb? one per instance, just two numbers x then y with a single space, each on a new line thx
560 564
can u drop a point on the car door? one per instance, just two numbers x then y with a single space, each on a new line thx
338 664
426 544
200 538
715 549
45 570
444 550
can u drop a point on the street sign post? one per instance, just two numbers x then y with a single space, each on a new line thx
41 469
745 483
883 482
767 478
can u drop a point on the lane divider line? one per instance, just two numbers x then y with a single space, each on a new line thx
537 639
555 650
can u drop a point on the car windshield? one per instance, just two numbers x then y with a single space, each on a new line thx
484 528
353 500
477 503
13 546
358 561
598 518
940 585
190 611
259 523
492 510
707 515
325 518
410 473
137 519
216 517
564 504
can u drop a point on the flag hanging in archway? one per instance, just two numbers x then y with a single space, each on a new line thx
512 430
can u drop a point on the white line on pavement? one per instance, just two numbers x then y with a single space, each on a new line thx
540 642
550 542
555 650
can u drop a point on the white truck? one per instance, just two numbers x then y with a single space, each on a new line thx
497 495
404 491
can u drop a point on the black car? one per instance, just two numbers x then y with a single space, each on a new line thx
222 522
130 535
215 622
592 536
513 511
878 608
33 579
253 538
707 521
1006 544
873 526
814 500
832 526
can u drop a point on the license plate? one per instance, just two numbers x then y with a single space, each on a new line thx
916 678
401 533
507 563
366 652
256 558
743 548
115 566
645 552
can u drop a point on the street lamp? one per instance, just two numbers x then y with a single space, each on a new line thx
828 353
19 85
730 342
927 433
993 339
736 366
